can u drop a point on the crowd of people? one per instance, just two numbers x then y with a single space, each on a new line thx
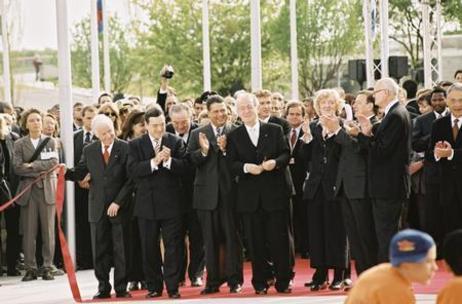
189 189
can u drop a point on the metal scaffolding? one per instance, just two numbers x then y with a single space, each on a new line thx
431 29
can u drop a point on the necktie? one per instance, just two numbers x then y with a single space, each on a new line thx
218 132
293 138
87 138
455 129
106 154
156 146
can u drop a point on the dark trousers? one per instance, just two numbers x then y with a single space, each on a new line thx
359 226
82 233
434 213
150 232
222 246
13 239
452 213
108 249
192 229
133 248
269 230
328 242
386 219
300 224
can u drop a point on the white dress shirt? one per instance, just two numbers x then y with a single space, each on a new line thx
254 133
438 115
459 124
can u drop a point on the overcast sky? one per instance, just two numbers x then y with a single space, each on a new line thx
38 19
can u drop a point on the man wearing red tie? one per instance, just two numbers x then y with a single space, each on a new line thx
446 142
110 188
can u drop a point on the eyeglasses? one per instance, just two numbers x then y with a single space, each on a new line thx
110 114
375 92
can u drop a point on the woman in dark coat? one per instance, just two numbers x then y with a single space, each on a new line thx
326 232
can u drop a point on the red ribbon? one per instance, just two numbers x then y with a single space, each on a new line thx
68 264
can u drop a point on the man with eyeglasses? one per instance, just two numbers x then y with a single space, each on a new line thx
389 150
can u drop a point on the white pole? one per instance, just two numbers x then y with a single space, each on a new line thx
255 45
293 49
94 51
65 97
206 46
106 58
438 22
368 41
6 54
385 51
427 46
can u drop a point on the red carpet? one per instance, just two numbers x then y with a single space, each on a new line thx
303 274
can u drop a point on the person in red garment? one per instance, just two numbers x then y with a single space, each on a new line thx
412 260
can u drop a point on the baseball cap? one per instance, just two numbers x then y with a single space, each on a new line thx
409 246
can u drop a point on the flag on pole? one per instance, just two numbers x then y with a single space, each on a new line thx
99 15
373 19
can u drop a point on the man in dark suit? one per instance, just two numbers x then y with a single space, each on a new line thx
82 138
351 188
295 113
182 126
421 133
389 150
259 154
156 163
264 110
110 189
446 142
214 199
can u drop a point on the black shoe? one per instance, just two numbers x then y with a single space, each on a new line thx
132 286
236 288
287 290
309 284
102 295
154 294
30 276
123 294
13 273
318 286
348 284
197 282
336 285
143 285
47 275
181 284
261 291
209 290
174 295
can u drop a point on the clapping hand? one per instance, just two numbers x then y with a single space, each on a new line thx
254 169
365 124
204 143
268 165
330 123
306 129
221 142
443 149
352 128
165 153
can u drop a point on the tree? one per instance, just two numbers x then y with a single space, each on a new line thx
327 32
120 53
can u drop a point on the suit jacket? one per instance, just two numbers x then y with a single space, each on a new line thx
298 164
323 155
213 176
23 151
9 174
269 190
187 180
281 122
79 145
158 192
389 152
109 183
450 171
421 135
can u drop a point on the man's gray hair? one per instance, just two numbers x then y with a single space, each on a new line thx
101 120
390 84
247 96
178 108
455 87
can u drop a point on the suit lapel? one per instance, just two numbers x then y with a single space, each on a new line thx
146 145
115 154
98 148
28 144
263 135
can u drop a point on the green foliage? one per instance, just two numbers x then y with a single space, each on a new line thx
120 53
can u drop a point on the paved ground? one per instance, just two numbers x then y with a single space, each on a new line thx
13 291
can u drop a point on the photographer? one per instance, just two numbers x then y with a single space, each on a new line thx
166 96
